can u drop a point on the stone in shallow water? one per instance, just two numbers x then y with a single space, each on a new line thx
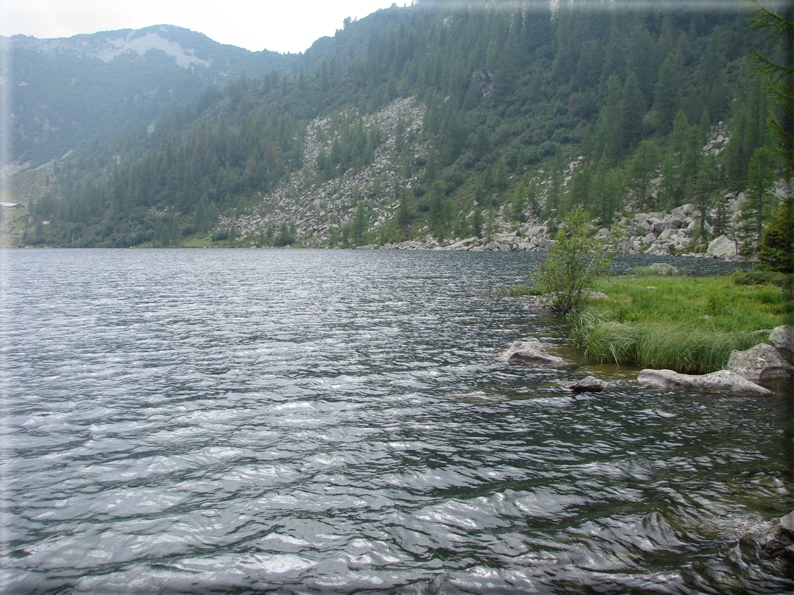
722 381
591 384
761 362
532 352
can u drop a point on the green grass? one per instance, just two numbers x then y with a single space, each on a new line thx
688 324
655 271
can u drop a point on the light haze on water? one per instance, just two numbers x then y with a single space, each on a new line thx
242 420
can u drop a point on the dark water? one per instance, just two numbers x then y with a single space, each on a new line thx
238 421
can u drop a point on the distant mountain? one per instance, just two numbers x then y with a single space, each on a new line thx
441 120
68 92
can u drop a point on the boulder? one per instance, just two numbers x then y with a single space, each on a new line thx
722 381
648 239
533 353
660 226
683 210
591 384
777 542
668 233
761 362
659 249
782 337
722 247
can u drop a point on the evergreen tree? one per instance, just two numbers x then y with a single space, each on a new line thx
643 168
359 225
632 110
518 210
759 205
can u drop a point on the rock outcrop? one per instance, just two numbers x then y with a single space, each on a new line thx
782 337
762 362
533 353
723 381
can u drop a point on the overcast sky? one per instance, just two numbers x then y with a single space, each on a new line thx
277 25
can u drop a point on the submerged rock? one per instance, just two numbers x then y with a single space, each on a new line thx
722 381
591 384
761 362
777 542
533 352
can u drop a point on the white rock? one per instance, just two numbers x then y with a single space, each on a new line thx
722 381
722 247
761 362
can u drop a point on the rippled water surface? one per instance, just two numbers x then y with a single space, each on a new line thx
245 420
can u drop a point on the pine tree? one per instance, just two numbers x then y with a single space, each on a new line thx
759 205
643 168
632 110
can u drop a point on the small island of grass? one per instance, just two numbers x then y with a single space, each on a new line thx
687 324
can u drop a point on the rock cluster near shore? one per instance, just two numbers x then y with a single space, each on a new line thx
658 234
744 368
776 541
762 362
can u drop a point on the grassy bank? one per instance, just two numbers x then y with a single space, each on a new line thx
688 324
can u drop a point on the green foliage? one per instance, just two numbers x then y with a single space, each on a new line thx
685 324
572 264
760 201
776 252
655 270
643 168
510 95
759 277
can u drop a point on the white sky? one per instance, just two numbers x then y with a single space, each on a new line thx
276 25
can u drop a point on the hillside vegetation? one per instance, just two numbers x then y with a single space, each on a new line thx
444 121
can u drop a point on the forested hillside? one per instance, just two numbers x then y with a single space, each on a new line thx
455 122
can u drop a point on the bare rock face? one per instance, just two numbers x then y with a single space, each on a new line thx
724 381
533 353
782 337
761 362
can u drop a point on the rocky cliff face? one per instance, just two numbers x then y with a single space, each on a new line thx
316 208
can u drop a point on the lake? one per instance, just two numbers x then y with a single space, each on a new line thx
330 421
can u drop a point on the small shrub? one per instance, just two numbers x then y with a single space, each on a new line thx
756 277
655 270
573 263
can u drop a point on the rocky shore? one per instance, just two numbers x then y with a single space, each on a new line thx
740 376
655 233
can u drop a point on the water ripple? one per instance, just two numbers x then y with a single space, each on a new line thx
215 421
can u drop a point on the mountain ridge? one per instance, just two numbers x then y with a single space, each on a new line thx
525 115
